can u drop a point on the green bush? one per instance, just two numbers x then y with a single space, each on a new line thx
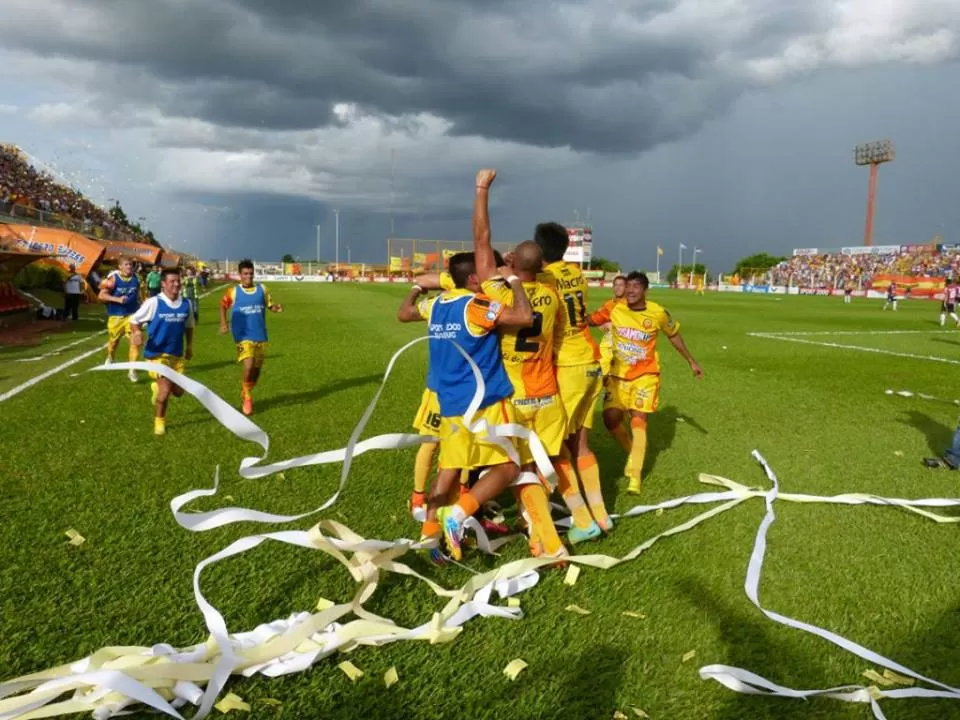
35 276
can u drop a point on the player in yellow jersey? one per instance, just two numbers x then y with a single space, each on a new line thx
606 343
579 374
634 385
528 358
700 284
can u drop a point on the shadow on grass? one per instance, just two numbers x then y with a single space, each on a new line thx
945 341
301 398
756 644
222 364
939 436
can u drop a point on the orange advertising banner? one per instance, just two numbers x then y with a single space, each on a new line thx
117 249
170 259
61 246
919 285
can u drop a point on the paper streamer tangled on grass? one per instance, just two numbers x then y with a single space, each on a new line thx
119 679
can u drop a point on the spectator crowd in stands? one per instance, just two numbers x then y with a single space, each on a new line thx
25 192
835 270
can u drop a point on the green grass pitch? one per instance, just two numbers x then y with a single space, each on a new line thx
77 452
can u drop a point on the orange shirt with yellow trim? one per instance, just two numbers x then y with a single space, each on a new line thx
635 334
482 311
528 352
576 344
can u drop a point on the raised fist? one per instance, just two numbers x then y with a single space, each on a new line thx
485 178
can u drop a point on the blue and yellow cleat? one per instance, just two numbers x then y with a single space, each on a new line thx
576 535
452 532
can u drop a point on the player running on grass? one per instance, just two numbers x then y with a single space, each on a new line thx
469 318
579 375
120 290
634 385
169 321
528 357
248 303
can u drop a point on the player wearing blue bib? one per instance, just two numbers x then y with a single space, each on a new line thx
169 321
468 318
120 290
248 304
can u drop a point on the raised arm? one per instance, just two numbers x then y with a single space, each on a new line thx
483 249
409 311
520 313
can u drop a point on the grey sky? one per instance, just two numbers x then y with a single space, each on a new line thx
234 126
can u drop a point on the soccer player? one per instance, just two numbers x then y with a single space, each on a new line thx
848 292
701 281
191 292
249 302
891 297
169 322
154 280
606 343
528 357
120 290
469 318
949 305
634 385
579 374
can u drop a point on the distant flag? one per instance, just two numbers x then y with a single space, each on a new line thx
682 246
659 250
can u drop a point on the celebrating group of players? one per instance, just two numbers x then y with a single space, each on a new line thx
169 316
524 324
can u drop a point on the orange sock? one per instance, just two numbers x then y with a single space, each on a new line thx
533 497
621 435
590 477
431 528
569 487
466 506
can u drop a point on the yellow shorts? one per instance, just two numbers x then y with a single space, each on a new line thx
461 449
640 395
173 362
427 421
247 349
545 416
580 387
606 354
117 327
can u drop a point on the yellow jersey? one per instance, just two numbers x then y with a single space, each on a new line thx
446 281
635 335
576 345
528 352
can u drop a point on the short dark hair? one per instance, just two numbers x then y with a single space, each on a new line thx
498 258
553 240
167 272
461 267
245 265
637 276
620 277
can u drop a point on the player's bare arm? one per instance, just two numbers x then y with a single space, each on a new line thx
483 249
428 281
105 289
681 346
408 311
224 323
520 314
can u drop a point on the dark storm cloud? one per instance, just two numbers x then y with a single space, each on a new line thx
540 74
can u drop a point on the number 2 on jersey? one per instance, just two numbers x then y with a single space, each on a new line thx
572 308
524 343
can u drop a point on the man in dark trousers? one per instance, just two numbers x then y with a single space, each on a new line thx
72 290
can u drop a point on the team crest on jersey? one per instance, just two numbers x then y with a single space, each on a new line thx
492 311
648 323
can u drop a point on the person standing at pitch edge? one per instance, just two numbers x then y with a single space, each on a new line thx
73 290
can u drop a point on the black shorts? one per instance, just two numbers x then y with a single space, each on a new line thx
950 307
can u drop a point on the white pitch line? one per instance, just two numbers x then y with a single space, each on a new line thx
851 332
53 371
856 347
61 349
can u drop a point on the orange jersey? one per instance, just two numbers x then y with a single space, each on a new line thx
528 352
576 345
635 335
482 312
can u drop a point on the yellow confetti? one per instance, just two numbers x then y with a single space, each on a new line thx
323 604
659 512
689 656
576 609
898 453
351 670
513 602
632 614
617 715
390 677
877 677
281 476
232 702
898 678
75 537
270 701
514 668
228 498
639 713
573 572
875 692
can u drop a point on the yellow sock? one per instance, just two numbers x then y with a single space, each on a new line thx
533 497
638 452
589 473
621 435
423 466
569 487
133 353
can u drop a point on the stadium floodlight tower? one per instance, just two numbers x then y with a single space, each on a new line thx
872 154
